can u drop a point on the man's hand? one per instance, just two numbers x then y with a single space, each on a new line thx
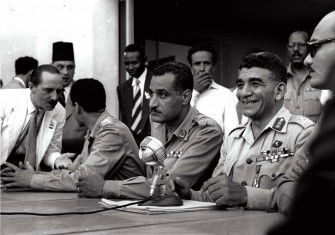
298 167
90 186
181 187
202 80
64 161
13 176
226 192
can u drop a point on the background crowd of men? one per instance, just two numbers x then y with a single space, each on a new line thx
57 135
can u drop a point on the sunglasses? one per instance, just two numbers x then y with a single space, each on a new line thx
314 46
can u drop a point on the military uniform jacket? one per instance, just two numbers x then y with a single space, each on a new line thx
191 149
105 146
259 163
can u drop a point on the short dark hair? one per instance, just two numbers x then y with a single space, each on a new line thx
24 64
35 78
202 47
89 93
266 60
183 74
135 48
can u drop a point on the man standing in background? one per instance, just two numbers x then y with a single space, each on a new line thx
133 94
24 66
73 132
300 98
208 97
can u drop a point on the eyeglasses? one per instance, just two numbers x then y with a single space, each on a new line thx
315 45
299 45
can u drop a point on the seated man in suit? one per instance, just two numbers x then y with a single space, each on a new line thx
24 66
110 150
31 121
133 93
192 140
255 156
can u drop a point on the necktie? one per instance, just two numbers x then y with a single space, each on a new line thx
136 113
34 123
62 99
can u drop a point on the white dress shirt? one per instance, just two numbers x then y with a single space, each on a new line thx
20 81
142 81
219 103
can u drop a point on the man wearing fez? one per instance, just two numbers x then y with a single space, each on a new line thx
73 132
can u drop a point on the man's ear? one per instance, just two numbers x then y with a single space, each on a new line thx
187 95
280 91
77 108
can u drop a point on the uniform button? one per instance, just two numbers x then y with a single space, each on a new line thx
243 183
249 161
273 175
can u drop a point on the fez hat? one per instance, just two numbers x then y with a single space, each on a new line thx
62 51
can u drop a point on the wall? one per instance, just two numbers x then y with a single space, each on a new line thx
230 50
28 28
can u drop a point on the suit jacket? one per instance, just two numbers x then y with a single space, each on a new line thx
14 84
125 95
73 132
12 116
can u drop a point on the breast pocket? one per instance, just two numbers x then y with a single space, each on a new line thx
271 171
312 105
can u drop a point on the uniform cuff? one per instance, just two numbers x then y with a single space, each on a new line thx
112 188
37 181
258 198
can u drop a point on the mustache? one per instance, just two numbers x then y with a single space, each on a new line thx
296 54
154 109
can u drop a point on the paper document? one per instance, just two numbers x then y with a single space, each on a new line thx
188 205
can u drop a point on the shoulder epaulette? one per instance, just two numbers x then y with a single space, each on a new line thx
301 120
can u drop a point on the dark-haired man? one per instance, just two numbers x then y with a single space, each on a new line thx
109 151
257 154
208 97
24 66
192 140
133 93
25 106
300 98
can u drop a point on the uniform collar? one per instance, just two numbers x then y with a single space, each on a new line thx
182 132
290 72
96 127
278 123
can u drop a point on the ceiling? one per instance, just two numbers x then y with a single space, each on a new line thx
190 21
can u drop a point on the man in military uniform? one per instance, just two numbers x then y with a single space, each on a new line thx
300 97
109 150
191 139
257 154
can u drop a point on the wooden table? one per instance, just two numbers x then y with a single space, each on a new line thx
121 222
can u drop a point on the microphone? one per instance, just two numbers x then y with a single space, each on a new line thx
153 153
